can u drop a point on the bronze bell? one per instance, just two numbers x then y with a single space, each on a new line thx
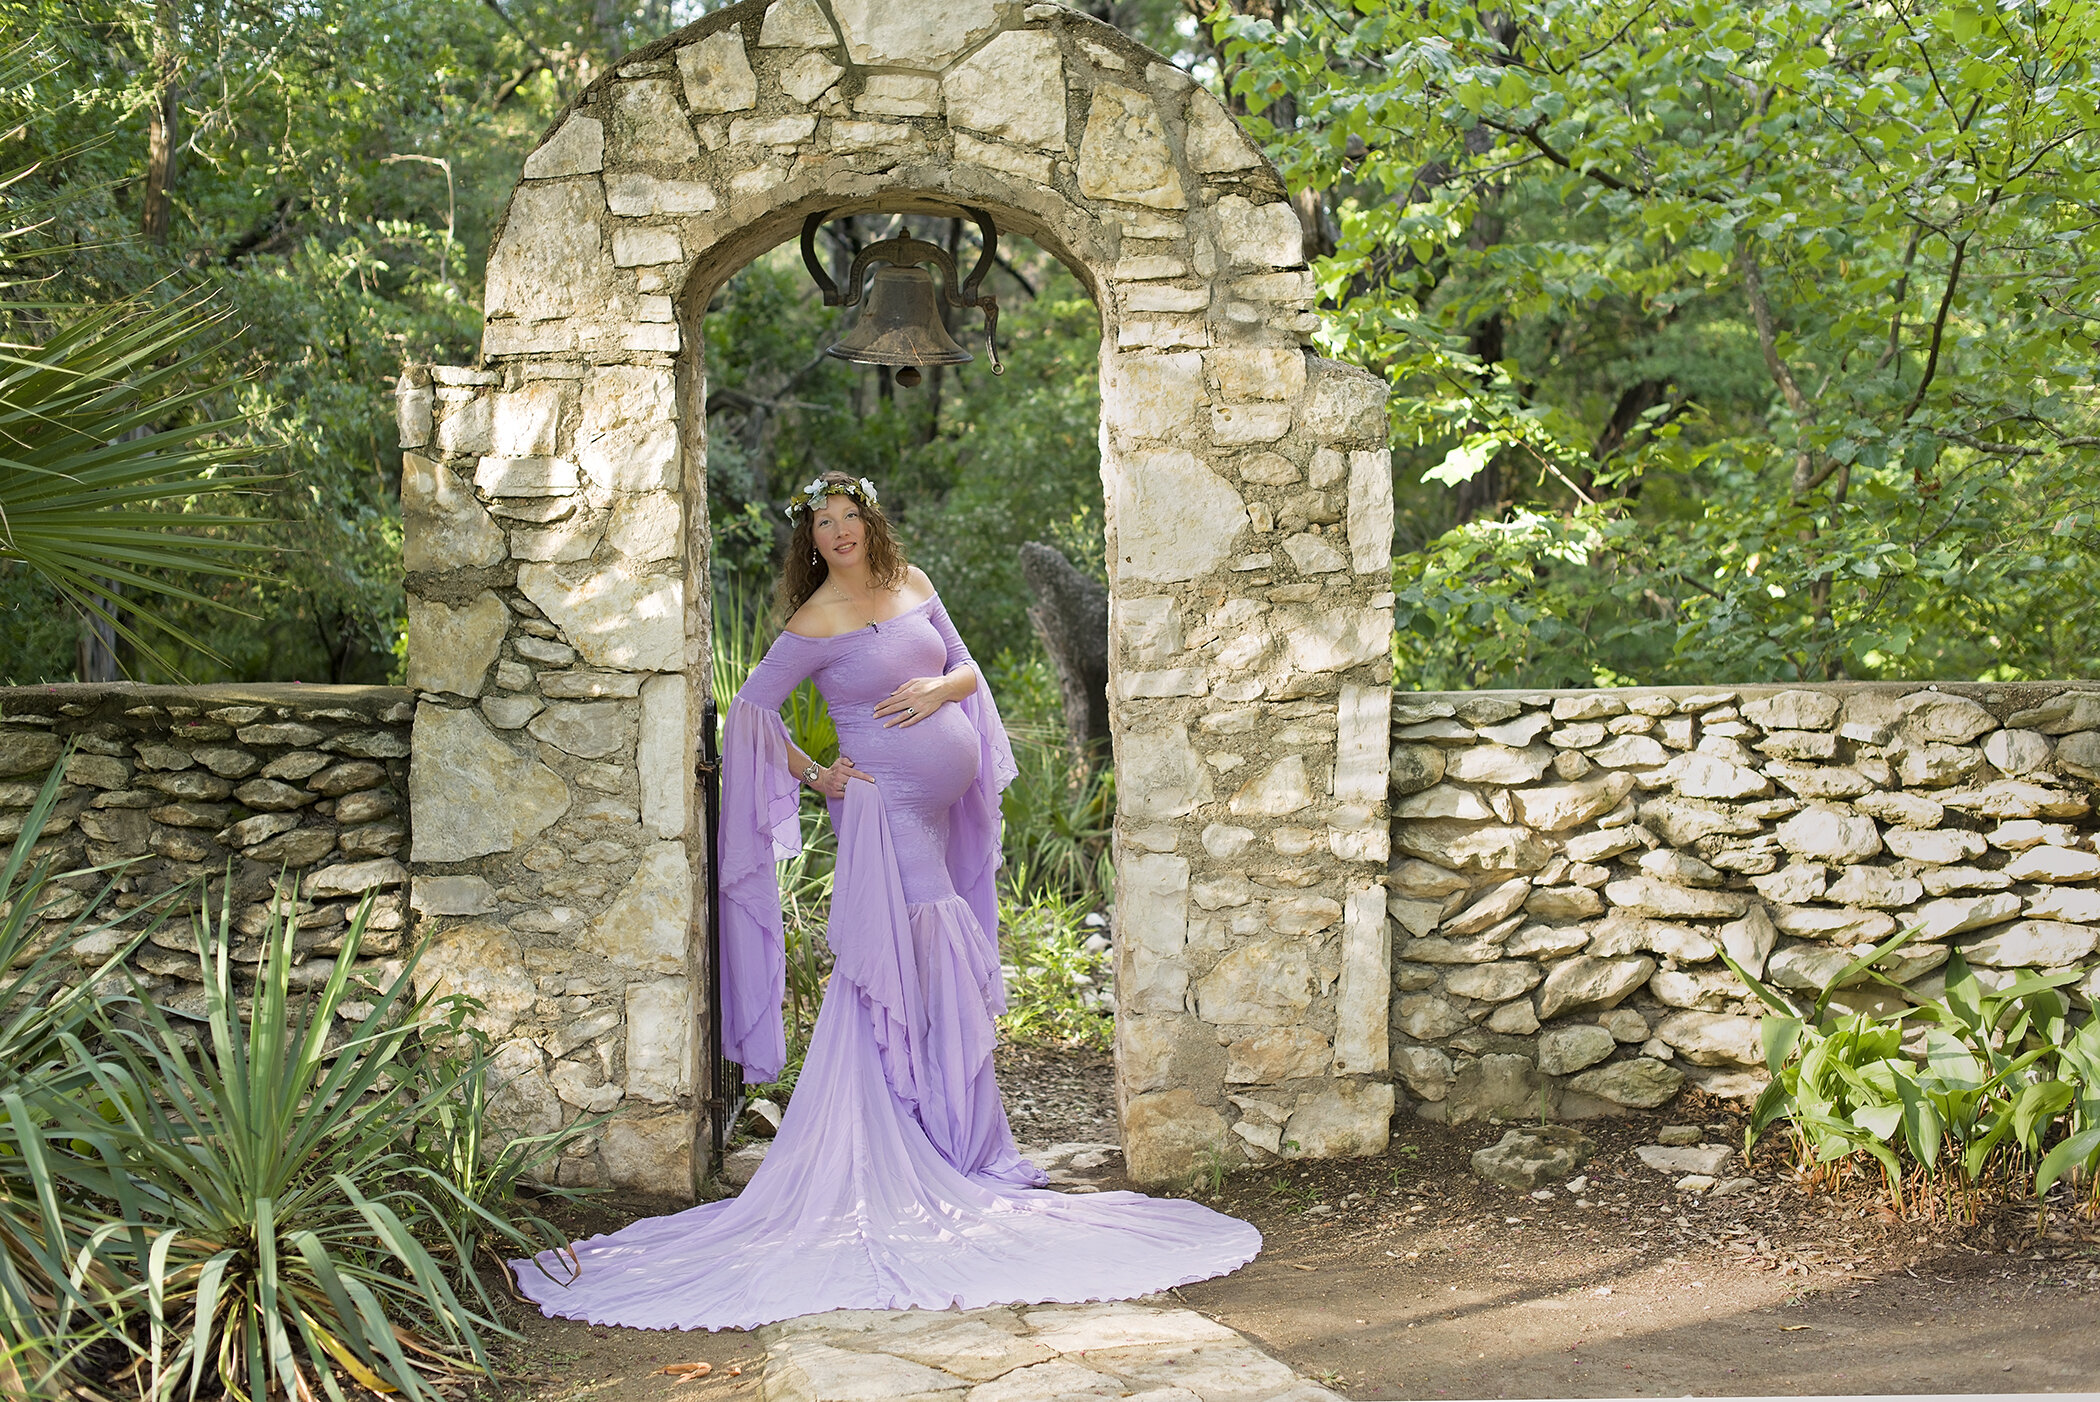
900 321
900 324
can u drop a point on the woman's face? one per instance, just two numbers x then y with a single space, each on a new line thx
839 531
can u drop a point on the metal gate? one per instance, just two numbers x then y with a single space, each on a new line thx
724 1089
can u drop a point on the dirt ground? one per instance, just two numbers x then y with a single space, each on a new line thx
1407 1277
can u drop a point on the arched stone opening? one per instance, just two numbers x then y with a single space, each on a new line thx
558 557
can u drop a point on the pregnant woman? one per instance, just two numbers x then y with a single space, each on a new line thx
894 1181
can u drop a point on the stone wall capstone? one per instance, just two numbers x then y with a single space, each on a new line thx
1567 867
300 785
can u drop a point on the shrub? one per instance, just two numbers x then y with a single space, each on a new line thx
1987 1080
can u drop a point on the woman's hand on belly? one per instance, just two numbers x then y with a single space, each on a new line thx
920 697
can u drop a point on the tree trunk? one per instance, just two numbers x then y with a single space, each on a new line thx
160 127
1070 615
95 652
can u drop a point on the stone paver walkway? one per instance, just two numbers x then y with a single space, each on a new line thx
1137 1351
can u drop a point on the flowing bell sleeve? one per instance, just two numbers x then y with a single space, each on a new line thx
760 825
973 833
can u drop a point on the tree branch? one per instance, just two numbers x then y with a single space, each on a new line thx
1939 327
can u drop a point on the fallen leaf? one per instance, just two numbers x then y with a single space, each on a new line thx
1296 1267
688 1372
1790 1328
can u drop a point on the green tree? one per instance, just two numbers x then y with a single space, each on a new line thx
1729 341
327 172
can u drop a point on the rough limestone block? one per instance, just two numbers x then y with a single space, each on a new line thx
451 895
1263 983
1174 518
645 927
634 194
452 649
1642 1083
1793 710
1826 834
1168 1135
661 756
716 74
1342 401
1152 915
1363 721
1250 374
1012 88
470 793
479 960
1215 142
1160 398
1371 511
586 729
644 247
1363 997
1589 984
1123 154
659 1022
444 526
526 423
649 124
578 148
646 526
617 618
1352 1120
1259 236
1931 717
883 33
415 404
1333 640
993 155
1711 1039
546 261
651 1154
1565 1050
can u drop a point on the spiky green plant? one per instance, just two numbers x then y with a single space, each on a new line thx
109 454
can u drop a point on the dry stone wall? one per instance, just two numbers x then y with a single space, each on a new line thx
299 792
556 547
1568 866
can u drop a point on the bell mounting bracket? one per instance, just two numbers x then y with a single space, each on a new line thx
910 252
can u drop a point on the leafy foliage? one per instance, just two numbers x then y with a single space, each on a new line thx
1729 341
1991 1078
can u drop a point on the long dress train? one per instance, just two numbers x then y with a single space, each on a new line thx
894 1180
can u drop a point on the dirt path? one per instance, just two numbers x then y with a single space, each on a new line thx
1433 1284
1407 1277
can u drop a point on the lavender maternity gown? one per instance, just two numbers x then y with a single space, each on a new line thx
894 1181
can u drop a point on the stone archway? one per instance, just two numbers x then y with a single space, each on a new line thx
557 554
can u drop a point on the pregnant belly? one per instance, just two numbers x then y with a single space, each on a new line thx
929 764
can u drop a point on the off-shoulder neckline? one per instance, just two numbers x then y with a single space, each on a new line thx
853 632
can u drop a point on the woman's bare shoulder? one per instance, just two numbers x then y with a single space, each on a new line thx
815 619
917 588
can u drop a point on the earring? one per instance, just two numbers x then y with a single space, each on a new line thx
813 555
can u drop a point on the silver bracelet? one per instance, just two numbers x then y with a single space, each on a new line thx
809 775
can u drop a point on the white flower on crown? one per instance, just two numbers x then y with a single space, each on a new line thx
869 488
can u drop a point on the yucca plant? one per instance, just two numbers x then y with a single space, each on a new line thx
286 1228
107 447
58 1298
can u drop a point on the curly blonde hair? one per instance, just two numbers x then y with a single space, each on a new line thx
802 573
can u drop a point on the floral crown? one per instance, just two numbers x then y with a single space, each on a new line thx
862 491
